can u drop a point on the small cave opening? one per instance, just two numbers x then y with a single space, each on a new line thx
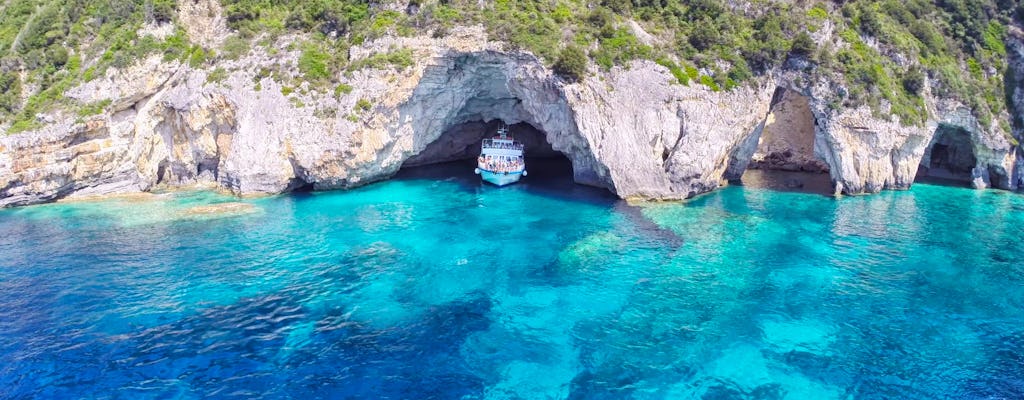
454 155
949 158
784 157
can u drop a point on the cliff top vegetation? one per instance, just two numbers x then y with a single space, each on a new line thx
881 50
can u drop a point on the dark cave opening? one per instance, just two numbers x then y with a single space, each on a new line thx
452 158
949 158
460 144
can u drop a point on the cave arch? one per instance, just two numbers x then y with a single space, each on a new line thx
788 138
949 157
453 157
464 97
782 152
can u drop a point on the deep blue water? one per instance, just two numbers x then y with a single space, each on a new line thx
424 288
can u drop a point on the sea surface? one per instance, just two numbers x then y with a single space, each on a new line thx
434 286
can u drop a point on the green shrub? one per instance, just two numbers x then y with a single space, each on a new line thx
218 75
870 21
198 56
930 38
363 105
620 48
313 63
342 89
674 69
618 6
400 59
692 72
384 20
94 108
176 46
913 80
803 44
740 72
234 47
162 11
57 56
729 84
571 63
561 14
10 92
818 12
89 74
974 68
24 124
709 82
995 34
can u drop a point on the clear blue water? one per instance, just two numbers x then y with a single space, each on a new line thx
421 288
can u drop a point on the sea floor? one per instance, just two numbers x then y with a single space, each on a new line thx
434 285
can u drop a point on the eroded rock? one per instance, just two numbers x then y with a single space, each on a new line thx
631 130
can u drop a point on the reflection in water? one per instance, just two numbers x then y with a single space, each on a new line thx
788 181
551 177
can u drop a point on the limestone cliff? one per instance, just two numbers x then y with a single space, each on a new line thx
632 130
1015 92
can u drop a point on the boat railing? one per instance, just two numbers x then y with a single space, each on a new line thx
501 165
489 144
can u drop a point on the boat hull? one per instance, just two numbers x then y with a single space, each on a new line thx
501 178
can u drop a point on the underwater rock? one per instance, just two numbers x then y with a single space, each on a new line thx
221 209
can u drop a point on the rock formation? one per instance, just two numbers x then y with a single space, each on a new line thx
630 130
1014 84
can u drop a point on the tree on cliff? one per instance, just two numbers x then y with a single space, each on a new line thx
571 63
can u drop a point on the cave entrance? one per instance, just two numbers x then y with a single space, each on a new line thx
454 154
787 141
784 158
949 158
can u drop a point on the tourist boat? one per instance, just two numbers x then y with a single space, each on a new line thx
501 159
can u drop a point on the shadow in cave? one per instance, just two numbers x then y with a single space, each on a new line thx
452 158
785 159
788 181
949 159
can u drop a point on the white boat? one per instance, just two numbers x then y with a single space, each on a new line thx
501 159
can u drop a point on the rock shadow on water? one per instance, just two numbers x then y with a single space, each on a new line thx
941 181
549 177
788 181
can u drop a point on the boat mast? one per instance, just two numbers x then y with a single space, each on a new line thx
503 131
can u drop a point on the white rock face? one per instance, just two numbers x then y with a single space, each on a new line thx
663 141
1015 81
203 21
866 155
629 129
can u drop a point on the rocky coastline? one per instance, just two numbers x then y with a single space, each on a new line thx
632 130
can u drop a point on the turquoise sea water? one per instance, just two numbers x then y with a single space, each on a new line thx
442 288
